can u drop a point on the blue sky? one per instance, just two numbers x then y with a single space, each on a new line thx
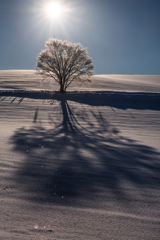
122 36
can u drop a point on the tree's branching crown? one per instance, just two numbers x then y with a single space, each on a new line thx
65 62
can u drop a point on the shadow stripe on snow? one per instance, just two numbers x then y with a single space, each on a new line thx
123 100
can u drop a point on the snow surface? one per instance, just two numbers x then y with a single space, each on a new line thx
81 165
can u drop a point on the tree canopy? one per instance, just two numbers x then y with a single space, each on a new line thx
65 62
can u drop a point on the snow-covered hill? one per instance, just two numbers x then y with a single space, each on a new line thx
81 165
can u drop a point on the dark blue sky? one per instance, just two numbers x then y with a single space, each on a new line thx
122 36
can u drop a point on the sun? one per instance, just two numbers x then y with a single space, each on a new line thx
53 10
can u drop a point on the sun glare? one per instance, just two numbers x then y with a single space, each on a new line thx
53 10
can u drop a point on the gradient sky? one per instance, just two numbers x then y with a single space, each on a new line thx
122 36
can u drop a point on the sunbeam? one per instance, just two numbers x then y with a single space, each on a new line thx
54 10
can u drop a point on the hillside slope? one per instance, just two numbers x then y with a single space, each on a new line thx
81 165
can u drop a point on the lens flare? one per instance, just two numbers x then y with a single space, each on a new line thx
53 10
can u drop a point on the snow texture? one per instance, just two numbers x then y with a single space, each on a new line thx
80 165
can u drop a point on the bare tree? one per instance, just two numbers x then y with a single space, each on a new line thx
65 62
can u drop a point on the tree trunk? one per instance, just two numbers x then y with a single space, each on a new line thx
62 90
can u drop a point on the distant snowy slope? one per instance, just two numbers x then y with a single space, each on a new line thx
28 80
140 83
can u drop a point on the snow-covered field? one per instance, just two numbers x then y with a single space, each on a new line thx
82 165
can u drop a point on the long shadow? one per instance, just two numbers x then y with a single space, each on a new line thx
82 157
121 100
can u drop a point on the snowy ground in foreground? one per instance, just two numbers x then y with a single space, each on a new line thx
84 165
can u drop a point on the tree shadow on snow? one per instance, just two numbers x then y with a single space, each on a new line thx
121 100
82 157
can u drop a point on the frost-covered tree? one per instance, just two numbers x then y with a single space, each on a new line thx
65 62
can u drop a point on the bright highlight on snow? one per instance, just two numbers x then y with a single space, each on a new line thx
53 10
